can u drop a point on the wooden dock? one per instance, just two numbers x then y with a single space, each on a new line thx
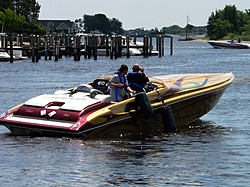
87 45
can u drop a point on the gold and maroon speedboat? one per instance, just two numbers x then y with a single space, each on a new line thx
170 101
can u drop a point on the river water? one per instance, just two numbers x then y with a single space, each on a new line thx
213 154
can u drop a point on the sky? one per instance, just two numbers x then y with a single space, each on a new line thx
147 14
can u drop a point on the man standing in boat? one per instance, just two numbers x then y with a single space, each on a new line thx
119 85
136 79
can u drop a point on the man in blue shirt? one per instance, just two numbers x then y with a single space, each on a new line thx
119 85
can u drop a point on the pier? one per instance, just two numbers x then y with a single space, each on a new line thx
87 45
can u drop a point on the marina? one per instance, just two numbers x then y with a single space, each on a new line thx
86 45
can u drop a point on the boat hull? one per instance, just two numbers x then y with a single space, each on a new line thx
228 45
185 112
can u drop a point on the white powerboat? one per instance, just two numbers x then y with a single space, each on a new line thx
4 56
228 45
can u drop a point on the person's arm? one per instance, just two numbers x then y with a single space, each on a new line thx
130 90
143 72
112 84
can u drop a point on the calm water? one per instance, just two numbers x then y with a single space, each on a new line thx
214 154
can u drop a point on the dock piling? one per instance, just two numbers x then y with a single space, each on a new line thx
57 45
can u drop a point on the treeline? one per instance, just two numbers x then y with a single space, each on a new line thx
21 16
229 23
99 23
190 29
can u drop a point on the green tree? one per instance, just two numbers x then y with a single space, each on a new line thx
10 21
230 14
28 8
221 28
100 23
116 26
245 22
174 29
228 22
89 24
32 28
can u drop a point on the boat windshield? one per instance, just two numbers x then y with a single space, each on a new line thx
158 82
152 80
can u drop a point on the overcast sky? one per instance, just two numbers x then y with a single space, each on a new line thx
148 14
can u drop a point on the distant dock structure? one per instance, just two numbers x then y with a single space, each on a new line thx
86 45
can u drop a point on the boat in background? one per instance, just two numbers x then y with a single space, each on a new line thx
228 44
17 53
170 101
135 47
139 51
4 56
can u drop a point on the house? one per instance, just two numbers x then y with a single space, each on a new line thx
58 26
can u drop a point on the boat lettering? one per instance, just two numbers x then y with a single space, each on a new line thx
52 113
29 111
43 112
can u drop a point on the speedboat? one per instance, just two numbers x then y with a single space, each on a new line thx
17 54
139 51
86 110
228 44
4 56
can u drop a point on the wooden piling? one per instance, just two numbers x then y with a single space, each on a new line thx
116 47
56 46
11 48
144 47
134 41
6 42
95 42
56 49
150 46
162 46
21 40
32 44
171 45
85 46
127 47
157 42
79 48
45 47
107 45
111 47
119 46
51 44
37 48
159 47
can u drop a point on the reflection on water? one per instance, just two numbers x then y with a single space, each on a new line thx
191 156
